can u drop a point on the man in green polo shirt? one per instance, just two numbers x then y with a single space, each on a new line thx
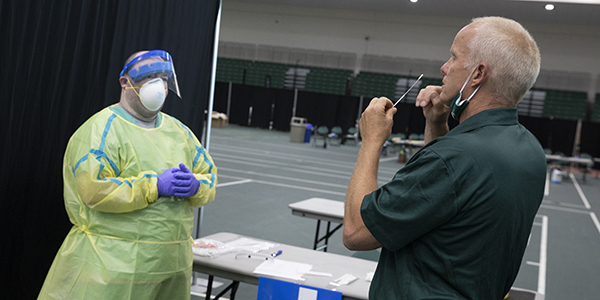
454 222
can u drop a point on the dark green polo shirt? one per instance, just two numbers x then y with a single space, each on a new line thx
454 222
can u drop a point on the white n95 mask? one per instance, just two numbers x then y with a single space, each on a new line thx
153 94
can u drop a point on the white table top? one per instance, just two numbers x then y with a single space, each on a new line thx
578 160
227 266
320 209
407 142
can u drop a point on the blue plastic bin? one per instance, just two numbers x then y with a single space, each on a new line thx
308 132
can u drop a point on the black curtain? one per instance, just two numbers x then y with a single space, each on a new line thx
319 109
540 127
220 101
562 135
262 105
59 64
347 112
407 119
590 139
284 103
241 100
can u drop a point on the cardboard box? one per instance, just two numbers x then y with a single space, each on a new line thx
219 120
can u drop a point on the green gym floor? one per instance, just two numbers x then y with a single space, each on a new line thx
260 172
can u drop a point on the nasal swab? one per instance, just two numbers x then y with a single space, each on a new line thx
408 90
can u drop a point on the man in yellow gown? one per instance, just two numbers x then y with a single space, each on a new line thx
132 177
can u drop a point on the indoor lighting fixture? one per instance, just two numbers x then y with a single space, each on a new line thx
414 1
565 1
549 7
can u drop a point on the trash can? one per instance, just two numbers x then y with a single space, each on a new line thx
308 133
297 130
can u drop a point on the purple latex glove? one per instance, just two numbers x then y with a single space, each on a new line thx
165 182
186 184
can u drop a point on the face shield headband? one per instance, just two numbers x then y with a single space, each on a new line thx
137 70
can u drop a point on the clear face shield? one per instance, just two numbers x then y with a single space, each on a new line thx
153 64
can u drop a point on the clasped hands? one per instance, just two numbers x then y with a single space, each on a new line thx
179 182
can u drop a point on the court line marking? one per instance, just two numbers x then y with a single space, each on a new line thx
595 220
580 192
295 179
543 257
387 159
297 158
284 156
578 211
571 205
543 254
287 186
322 172
282 165
547 187
277 146
234 182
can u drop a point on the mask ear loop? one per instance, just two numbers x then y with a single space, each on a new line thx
133 88
460 102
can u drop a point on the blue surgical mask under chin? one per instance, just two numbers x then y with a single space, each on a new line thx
456 105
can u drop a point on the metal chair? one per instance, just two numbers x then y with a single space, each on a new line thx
352 135
335 136
321 134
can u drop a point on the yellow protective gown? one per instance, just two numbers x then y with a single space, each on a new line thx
126 242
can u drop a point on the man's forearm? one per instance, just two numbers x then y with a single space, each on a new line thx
362 182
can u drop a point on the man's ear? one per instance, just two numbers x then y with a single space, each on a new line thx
123 81
480 74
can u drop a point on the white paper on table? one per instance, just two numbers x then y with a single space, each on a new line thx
250 245
283 268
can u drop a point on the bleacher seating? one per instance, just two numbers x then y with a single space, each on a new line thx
370 84
569 105
596 114
321 80
565 105
328 81
231 70
259 70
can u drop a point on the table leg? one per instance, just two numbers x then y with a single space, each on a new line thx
209 287
317 235
327 237
324 238
233 287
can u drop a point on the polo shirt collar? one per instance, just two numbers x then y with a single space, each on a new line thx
495 116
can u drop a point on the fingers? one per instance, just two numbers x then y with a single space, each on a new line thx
172 170
390 112
377 120
179 182
183 192
381 102
185 188
188 193
182 182
428 95
381 106
179 189
183 168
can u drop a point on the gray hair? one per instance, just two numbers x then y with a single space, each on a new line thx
510 53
